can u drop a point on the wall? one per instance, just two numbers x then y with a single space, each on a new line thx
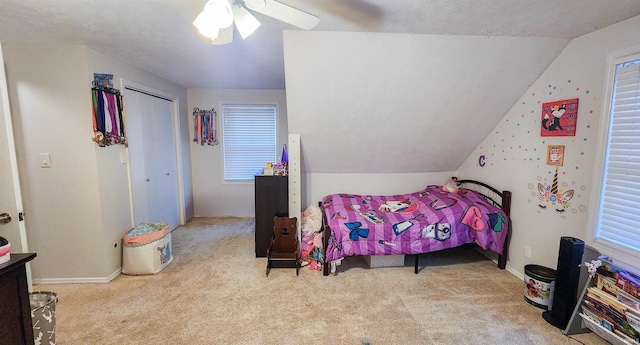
317 185
77 209
50 103
112 175
403 103
515 151
212 196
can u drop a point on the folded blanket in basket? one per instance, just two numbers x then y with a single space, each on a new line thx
146 233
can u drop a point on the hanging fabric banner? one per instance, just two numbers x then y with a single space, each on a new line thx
108 116
204 127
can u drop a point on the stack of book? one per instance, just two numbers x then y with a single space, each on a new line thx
611 306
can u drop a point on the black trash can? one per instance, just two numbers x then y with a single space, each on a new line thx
43 316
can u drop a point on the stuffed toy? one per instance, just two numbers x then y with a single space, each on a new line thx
451 186
311 220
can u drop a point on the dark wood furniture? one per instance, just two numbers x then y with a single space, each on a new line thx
271 199
15 312
283 249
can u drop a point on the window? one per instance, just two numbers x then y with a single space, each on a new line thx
618 219
248 139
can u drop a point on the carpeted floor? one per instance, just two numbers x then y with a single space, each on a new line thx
216 292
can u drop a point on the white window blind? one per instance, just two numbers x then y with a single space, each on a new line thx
248 139
619 215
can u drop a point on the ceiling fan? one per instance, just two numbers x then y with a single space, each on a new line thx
216 20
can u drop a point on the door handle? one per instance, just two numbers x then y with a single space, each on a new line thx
5 218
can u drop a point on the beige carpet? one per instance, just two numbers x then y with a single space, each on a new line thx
216 292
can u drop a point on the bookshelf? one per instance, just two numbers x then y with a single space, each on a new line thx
609 305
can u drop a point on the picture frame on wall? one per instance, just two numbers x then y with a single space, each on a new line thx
555 155
559 118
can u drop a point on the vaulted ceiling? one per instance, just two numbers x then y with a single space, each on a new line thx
157 35
378 86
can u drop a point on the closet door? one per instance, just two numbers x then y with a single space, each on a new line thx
152 157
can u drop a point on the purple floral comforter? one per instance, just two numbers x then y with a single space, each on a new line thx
420 222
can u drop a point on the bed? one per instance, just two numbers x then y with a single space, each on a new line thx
428 220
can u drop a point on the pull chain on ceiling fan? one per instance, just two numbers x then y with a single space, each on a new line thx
216 20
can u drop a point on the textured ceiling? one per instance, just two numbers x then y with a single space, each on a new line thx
157 35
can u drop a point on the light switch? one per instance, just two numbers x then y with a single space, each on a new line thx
45 160
123 158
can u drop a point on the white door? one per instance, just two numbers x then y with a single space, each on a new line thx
11 227
152 157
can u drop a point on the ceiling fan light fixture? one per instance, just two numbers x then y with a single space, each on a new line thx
245 21
210 32
255 4
217 14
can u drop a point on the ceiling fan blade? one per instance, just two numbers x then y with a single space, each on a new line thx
225 36
286 14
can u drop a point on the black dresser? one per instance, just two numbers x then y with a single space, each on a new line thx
272 199
15 311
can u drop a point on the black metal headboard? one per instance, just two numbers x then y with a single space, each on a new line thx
498 198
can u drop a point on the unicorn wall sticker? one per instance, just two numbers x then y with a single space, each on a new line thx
554 196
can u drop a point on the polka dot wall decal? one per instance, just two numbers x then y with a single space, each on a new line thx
582 153
568 81
587 91
577 89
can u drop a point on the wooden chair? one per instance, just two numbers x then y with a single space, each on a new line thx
284 248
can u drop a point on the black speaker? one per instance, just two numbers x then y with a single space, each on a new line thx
566 287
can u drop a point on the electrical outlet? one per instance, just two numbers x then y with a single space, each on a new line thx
527 252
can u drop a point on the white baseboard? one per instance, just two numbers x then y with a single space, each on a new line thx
510 269
87 280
